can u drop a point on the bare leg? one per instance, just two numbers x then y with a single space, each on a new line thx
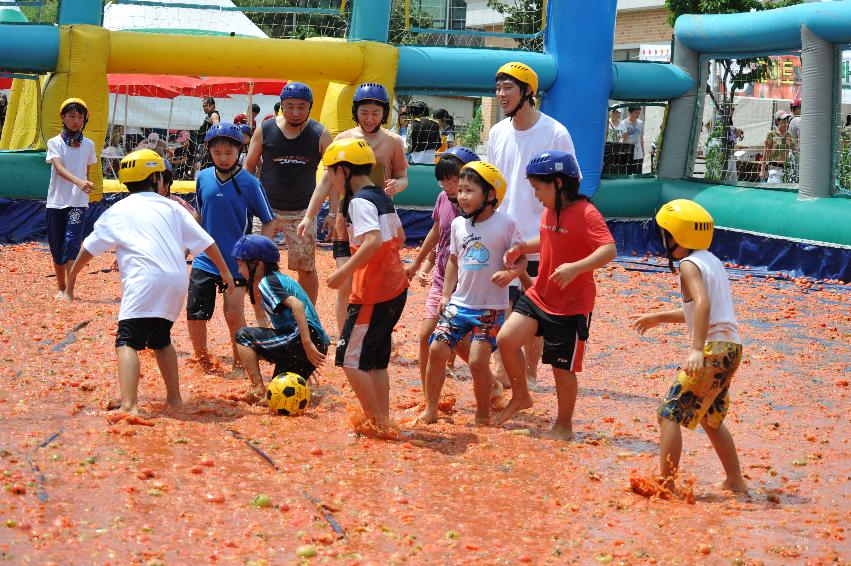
362 383
480 357
60 271
435 375
251 363
566 389
426 328
724 446
513 334
533 349
309 281
235 318
344 293
499 372
381 384
128 378
670 450
167 362
198 338
260 316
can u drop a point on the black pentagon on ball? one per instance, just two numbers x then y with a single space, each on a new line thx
283 412
302 404
289 391
268 394
301 381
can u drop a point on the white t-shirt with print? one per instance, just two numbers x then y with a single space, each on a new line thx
634 133
480 250
510 150
149 233
62 193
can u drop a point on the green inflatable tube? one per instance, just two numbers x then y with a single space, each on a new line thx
25 174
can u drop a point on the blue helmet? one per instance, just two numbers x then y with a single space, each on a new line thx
254 247
297 90
548 162
371 91
465 155
224 130
245 129
168 166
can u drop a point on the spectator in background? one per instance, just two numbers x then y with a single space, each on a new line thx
795 122
275 111
617 129
634 134
423 134
198 146
447 129
778 145
181 156
402 122
241 118
154 143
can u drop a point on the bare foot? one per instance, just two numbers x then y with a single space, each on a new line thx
113 405
175 403
206 363
483 419
500 376
497 403
559 432
532 382
59 296
513 407
236 372
130 409
427 417
736 486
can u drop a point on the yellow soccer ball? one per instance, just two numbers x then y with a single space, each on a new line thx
288 394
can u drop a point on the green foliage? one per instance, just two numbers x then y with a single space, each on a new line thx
472 135
299 26
844 161
522 16
42 14
399 35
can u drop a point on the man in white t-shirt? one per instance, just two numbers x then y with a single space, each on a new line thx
512 143
149 233
634 134
70 155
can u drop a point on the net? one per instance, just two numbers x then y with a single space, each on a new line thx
504 24
31 11
459 120
748 132
842 143
279 19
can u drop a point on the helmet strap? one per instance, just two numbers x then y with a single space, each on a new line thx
669 249
525 97
473 216
252 270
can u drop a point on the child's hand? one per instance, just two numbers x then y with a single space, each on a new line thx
86 186
336 279
564 274
643 322
503 278
444 302
328 226
227 278
694 363
391 187
512 254
315 357
411 270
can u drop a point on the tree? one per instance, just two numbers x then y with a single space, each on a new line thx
735 74
522 16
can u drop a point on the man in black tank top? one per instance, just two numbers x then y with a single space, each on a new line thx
291 147
197 145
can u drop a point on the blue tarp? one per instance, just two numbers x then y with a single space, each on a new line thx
25 220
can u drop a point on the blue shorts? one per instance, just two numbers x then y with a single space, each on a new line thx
456 322
65 232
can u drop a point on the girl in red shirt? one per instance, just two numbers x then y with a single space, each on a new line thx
574 241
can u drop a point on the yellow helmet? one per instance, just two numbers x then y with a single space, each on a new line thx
522 73
689 223
490 174
70 101
350 150
139 165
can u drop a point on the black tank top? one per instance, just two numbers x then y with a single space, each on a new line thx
289 165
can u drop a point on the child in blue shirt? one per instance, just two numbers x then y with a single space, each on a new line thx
225 195
297 342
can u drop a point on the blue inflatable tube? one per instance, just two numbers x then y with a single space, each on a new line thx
462 71
28 48
763 32
648 81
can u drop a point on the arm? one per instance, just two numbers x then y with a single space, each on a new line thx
255 151
84 184
83 259
397 184
693 287
324 140
450 280
371 245
322 191
506 276
313 354
425 250
643 323
216 256
268 230
567 272
532 246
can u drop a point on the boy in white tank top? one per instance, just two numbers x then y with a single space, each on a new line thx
701 393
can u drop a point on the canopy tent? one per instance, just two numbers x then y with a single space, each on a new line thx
195 21
157 86
226 86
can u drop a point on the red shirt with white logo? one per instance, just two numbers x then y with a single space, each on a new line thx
579 231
